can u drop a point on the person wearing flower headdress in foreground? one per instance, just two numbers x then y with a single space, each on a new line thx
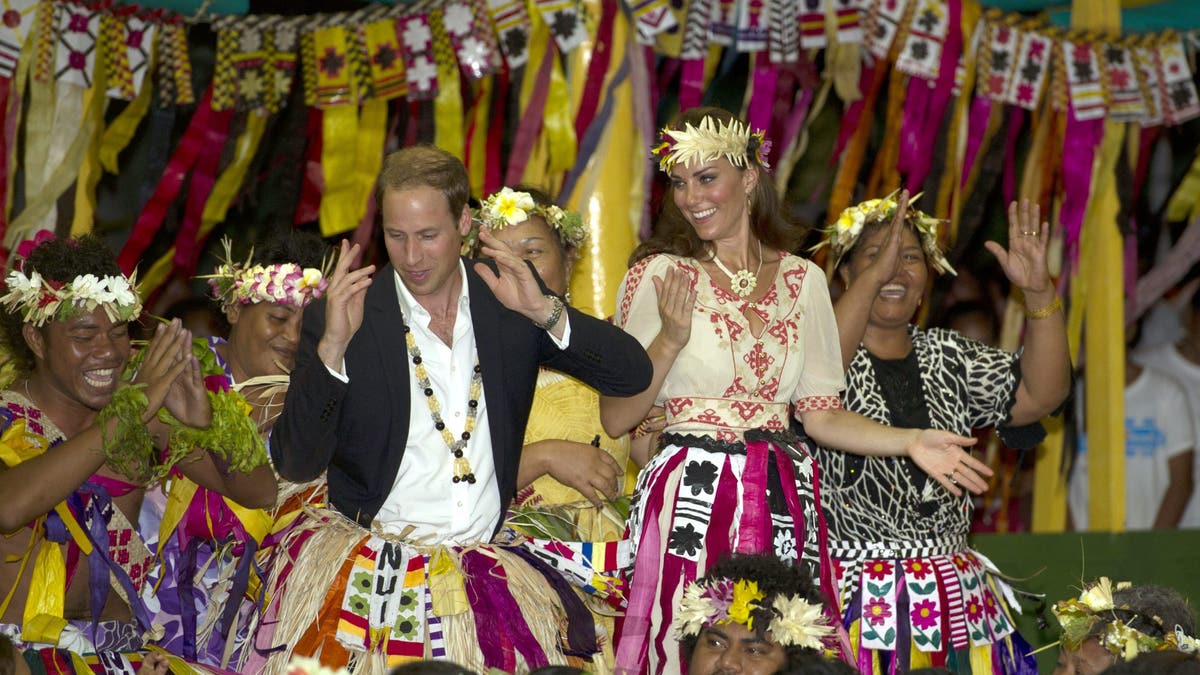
413 389
1111 624
753 614
736 355
910 589
80 441
571 471
263 298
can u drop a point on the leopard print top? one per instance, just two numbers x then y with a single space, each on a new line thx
964 385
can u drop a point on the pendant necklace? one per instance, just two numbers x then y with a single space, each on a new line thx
743 282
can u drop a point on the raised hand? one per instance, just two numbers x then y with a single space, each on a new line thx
1024 262
940 454
513 283
676 301
164 362
883 266
154 663
344 305
187 399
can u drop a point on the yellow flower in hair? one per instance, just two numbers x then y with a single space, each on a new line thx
509 206
1099 595
745 600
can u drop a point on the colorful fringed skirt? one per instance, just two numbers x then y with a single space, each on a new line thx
369 601
927 603
698 500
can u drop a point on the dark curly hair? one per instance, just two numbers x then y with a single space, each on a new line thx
675 235
774 578
1152 609
1166 662
289 245
56 260
8 655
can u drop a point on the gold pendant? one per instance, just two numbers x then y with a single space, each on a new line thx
743 283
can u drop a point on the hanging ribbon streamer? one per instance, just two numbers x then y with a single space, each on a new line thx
448 105
693 52
181 162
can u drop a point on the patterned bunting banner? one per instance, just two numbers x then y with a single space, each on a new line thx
1176 85
16 26
78 31
512 26
922 52
420 65
1084 79
566 25
1029 73
883 22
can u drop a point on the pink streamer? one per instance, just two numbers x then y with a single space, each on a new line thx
977 123
755 527
932 115
1079 153
691 83
497 614
766 79
632 643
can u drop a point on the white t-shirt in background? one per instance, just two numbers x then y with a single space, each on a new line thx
1167 359
1158 426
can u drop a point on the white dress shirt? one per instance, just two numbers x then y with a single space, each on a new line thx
425 501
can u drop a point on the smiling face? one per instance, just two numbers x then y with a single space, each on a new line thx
712 197
535 241
262 339
731 648
900 297
79 362
423 239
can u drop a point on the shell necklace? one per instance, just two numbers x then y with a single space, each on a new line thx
742 282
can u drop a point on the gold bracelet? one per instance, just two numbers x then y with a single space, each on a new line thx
1045 311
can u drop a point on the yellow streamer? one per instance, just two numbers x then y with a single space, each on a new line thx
89 170
230 181
609 195
1102 252
338 155
558 125
448 108
1185 203
368 159
118 134
480 114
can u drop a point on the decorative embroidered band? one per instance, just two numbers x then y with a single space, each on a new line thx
724 418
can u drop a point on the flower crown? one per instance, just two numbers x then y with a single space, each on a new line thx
793 621
843 234
709 140
510 207
40 300
281 283
1095 605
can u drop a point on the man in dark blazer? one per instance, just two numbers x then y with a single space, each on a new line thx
399 449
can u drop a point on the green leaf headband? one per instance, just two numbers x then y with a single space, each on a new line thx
508 207
1079 617
843 234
